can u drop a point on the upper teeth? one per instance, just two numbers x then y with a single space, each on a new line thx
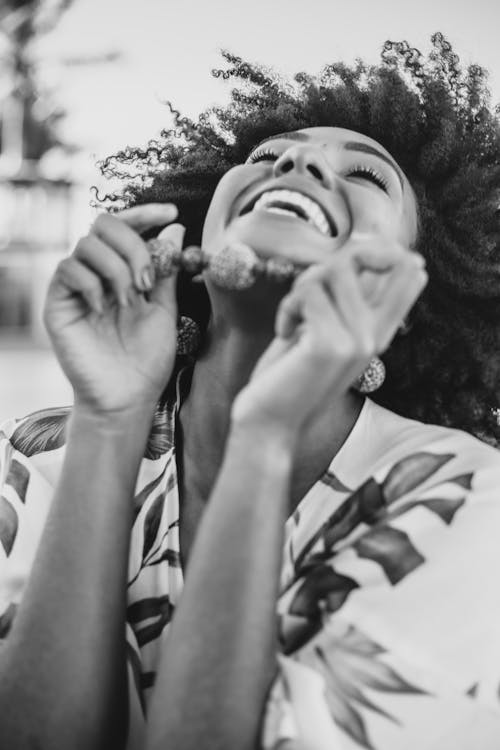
312 210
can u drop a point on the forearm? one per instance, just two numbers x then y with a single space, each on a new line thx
219 658
63 665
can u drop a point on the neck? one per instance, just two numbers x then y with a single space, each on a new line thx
222 371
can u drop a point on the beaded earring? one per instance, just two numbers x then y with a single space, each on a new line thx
188 336
372 378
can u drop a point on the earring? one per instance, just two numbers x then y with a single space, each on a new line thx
188 336
372 378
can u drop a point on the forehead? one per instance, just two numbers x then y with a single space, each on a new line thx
331 137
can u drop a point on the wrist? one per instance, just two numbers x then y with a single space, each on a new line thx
134 420
263 435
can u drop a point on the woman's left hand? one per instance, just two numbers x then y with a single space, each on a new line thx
336 317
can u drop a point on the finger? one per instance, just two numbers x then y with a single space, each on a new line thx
107 264
148 216
409 263
344 286
342 283
74 278
164 292
403 289
371 284
376 254
114 232
306 303
321 340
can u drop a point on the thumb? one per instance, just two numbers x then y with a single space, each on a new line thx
164 290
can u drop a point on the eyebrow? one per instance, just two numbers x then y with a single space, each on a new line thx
291 135
365 148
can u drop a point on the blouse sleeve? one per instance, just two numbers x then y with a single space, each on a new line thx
390 627
31 453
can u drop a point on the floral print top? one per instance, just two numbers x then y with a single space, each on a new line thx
389 611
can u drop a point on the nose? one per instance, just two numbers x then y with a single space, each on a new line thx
306 161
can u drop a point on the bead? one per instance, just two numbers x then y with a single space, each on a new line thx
192 260
165 257
279 270
234 267
372 377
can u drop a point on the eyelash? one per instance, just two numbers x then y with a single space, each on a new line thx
368 173
263 154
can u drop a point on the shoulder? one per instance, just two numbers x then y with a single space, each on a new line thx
398 436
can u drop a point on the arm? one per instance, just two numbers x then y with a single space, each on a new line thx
63 665
62 668
223 636
220 656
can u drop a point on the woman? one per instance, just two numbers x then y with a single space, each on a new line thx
262 470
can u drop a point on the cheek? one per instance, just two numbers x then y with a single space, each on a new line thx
220 207
374 214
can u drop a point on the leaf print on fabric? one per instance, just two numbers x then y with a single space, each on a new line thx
148 680
322 591
145 609
135 664
411 471
41 431
366 505
444 507
161 437
392 549
472 691
152 524
143 495
168 555
369 503
350 663
332 481
7 619
8 525
18 477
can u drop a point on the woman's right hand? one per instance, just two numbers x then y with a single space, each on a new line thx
116 347
336 317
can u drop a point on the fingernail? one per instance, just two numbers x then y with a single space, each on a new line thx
146 279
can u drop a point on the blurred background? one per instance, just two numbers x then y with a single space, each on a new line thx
80 79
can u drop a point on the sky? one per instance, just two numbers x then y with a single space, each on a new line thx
168 47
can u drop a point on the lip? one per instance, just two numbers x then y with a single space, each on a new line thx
247 202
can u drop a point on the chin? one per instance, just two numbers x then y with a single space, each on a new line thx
275 236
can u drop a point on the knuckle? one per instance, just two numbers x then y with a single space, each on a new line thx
91 287
102 221
82 245
63 268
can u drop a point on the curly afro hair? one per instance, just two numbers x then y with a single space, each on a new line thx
435 118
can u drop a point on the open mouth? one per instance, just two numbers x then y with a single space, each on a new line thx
293 203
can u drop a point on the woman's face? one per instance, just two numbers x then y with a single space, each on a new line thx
302 195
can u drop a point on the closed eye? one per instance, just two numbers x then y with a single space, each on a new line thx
262 154
367 173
